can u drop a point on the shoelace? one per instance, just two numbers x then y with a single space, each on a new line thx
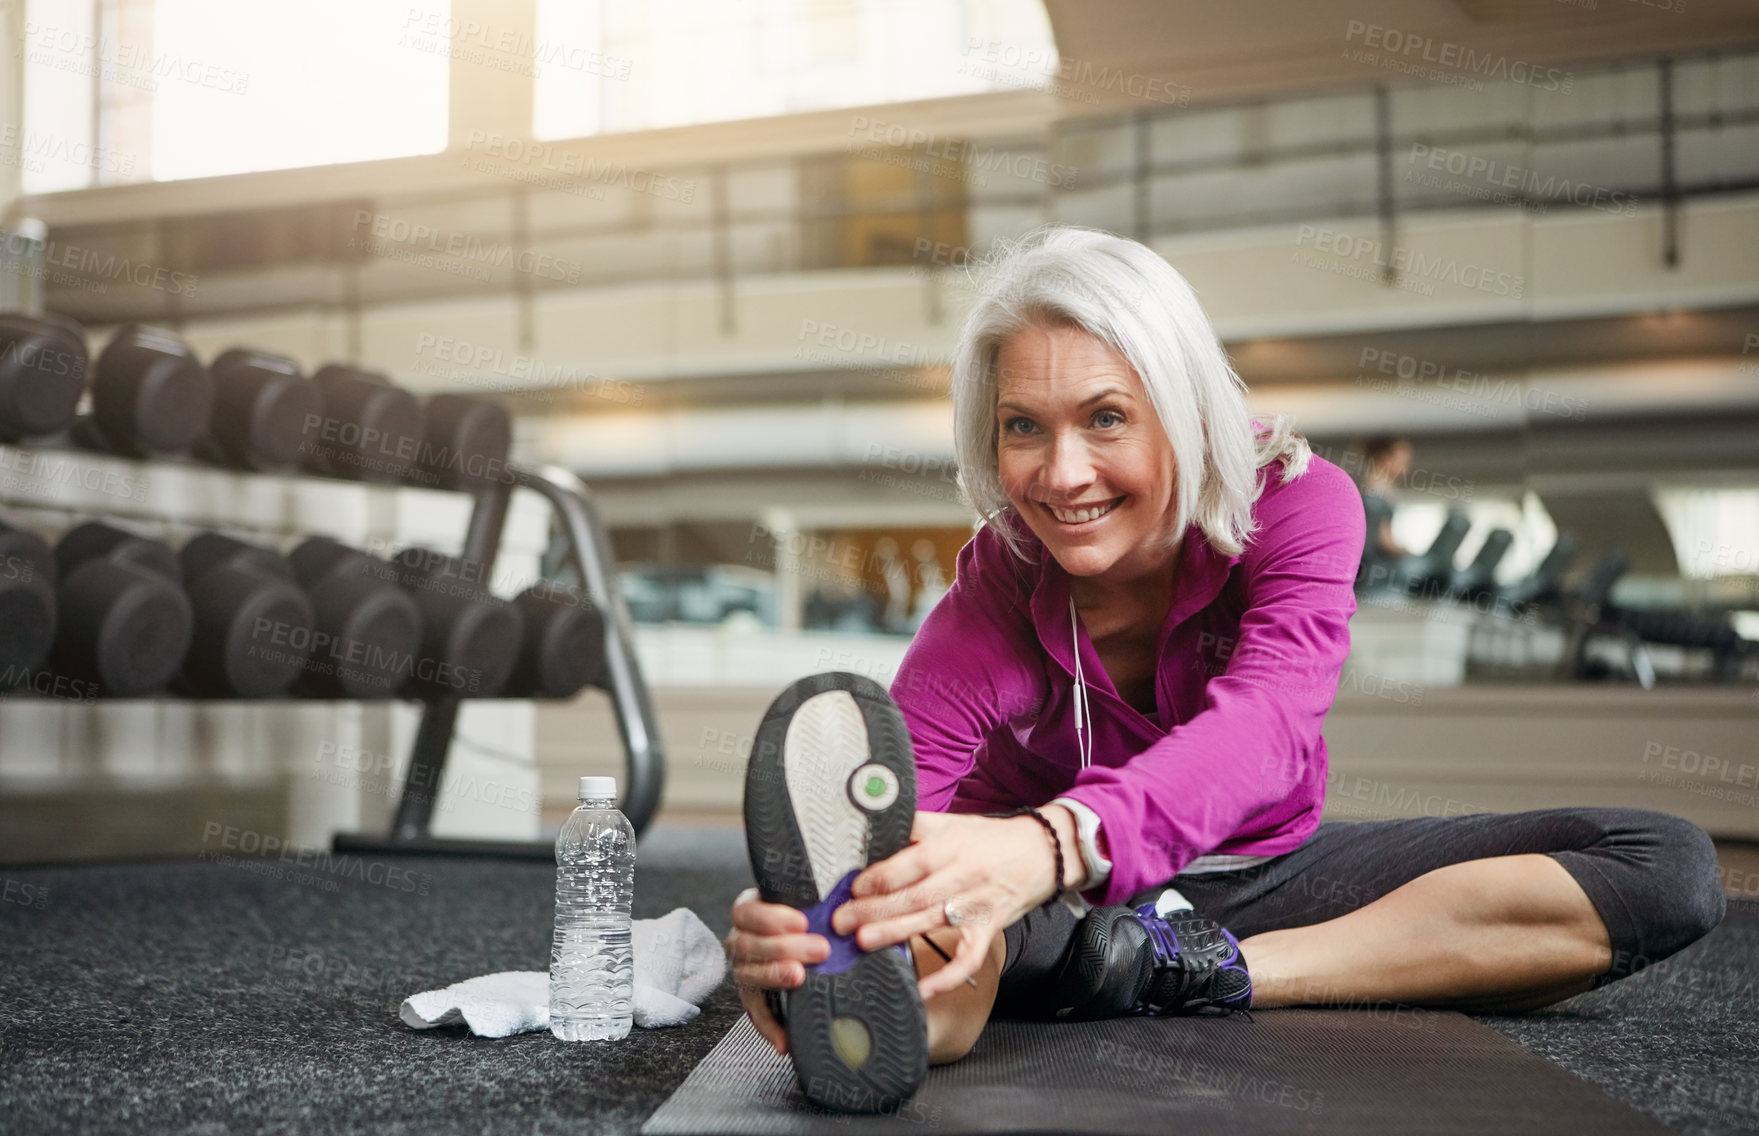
1167 955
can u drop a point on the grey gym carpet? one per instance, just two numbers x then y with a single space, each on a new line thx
1309 1071
262 997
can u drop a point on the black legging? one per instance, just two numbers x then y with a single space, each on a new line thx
1653 878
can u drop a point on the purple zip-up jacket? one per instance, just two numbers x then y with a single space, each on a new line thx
1249 659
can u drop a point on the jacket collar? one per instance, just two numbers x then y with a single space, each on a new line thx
1203 572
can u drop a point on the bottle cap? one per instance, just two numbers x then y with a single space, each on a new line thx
594 788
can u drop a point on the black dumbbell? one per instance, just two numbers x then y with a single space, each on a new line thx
27 604
150 395
42 374
253 625
369 429
367 629
464 442
125 622
263 407
470 639
563 648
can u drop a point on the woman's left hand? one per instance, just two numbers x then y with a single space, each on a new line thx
993 869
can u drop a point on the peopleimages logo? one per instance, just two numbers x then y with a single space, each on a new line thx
536 159
390 232
21 680
119 62
480 363
1405 51
1065 75
60 148
271 856
1345 249
470 40
965 159
1494 174
24 894
1425 380
92 263
32 470
320 652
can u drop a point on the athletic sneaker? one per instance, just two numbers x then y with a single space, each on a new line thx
830 789
1123 961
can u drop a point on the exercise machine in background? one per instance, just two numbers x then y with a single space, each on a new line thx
1586 615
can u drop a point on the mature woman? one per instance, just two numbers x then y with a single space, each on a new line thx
1139 649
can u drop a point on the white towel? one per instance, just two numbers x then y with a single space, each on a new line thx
678 962
494 1005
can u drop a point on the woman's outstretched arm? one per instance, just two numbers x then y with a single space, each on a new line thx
969 670
1257 739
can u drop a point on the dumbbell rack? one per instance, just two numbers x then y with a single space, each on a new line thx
574 507
585 533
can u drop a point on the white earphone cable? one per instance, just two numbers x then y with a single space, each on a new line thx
1083 720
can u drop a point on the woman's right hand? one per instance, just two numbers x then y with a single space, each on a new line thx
769 948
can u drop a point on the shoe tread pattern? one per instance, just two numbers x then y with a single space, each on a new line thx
772 836
774 842
880 989
888 744
880 992
825 743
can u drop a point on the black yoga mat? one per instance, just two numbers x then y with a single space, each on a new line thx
1295 1070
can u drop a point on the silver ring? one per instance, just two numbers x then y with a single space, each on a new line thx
952 914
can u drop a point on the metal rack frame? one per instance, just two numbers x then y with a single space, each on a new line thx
587 541
590 546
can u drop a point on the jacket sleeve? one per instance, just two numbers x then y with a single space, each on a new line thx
1257 737
968 671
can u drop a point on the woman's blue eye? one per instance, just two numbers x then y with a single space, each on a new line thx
1101 419
1016 422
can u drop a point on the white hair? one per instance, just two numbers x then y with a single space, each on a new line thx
1128 296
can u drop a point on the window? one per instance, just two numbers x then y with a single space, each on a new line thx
612 67
137 90
1715 531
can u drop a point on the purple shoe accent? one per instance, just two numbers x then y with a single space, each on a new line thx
845 952
1237 964
1165 942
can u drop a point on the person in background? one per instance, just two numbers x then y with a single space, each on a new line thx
1386 460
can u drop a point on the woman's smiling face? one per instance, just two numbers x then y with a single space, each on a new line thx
1082 454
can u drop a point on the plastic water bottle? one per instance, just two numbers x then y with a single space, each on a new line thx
592 969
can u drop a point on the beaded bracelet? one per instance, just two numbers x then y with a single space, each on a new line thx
1050 830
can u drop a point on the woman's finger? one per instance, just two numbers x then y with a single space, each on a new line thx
909 866
754 915
974 945
745 947
764 1021
957 884
923 896
912 912
897 871
783 974
976 910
